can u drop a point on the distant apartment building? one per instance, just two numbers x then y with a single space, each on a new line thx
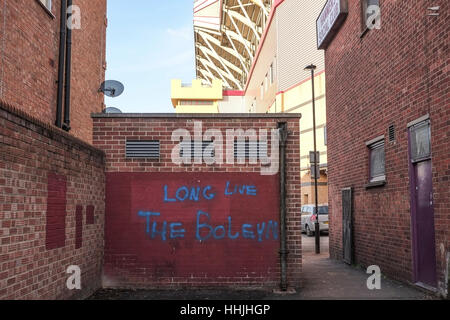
261 48
388 122
30 72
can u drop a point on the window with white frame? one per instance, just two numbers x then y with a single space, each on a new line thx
377 162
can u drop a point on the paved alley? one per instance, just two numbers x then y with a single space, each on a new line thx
323 278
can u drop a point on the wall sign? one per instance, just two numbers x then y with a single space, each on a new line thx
330 19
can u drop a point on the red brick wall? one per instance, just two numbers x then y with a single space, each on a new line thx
388 77
133 258
44 175
29 47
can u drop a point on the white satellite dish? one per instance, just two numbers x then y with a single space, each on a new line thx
112 88
112 110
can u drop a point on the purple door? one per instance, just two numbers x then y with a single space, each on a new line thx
422 213
425 236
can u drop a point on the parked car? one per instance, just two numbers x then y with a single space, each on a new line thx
309 219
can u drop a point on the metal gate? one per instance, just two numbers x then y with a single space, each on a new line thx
347 228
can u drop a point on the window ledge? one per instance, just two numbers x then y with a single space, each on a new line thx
49 12
376 184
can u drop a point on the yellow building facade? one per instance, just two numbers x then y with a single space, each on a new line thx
196 97
298 99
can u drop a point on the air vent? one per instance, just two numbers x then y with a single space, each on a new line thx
143 149
205 144
392 133
250 149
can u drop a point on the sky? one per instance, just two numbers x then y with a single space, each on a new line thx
149 42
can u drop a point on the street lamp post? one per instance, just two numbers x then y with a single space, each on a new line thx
312 67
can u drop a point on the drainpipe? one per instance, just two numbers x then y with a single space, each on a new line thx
66 124
283 230
62 49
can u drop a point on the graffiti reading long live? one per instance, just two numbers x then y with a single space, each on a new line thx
205 230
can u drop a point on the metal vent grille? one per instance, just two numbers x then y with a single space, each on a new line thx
250 149
392 133
143 149
194 152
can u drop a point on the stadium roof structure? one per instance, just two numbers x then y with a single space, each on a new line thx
227 34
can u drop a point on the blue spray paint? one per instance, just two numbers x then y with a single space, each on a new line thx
243 190
175 228
185 193
247 230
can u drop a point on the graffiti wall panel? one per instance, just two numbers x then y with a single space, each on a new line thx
179 227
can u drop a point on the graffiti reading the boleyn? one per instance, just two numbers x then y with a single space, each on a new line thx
204 229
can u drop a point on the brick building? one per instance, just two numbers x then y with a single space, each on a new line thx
29 60
388 129
193 225
52 182
52 189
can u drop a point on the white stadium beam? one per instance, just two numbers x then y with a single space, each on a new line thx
216 56
239 56
249 23
206 75
226 47
227 73
217 43
260 4
222 74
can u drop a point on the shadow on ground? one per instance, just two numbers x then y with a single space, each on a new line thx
323 278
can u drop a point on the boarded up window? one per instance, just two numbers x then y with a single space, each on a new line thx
79 227
56 212
90 215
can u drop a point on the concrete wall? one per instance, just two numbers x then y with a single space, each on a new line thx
51 209
235 255
29 60
388 77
